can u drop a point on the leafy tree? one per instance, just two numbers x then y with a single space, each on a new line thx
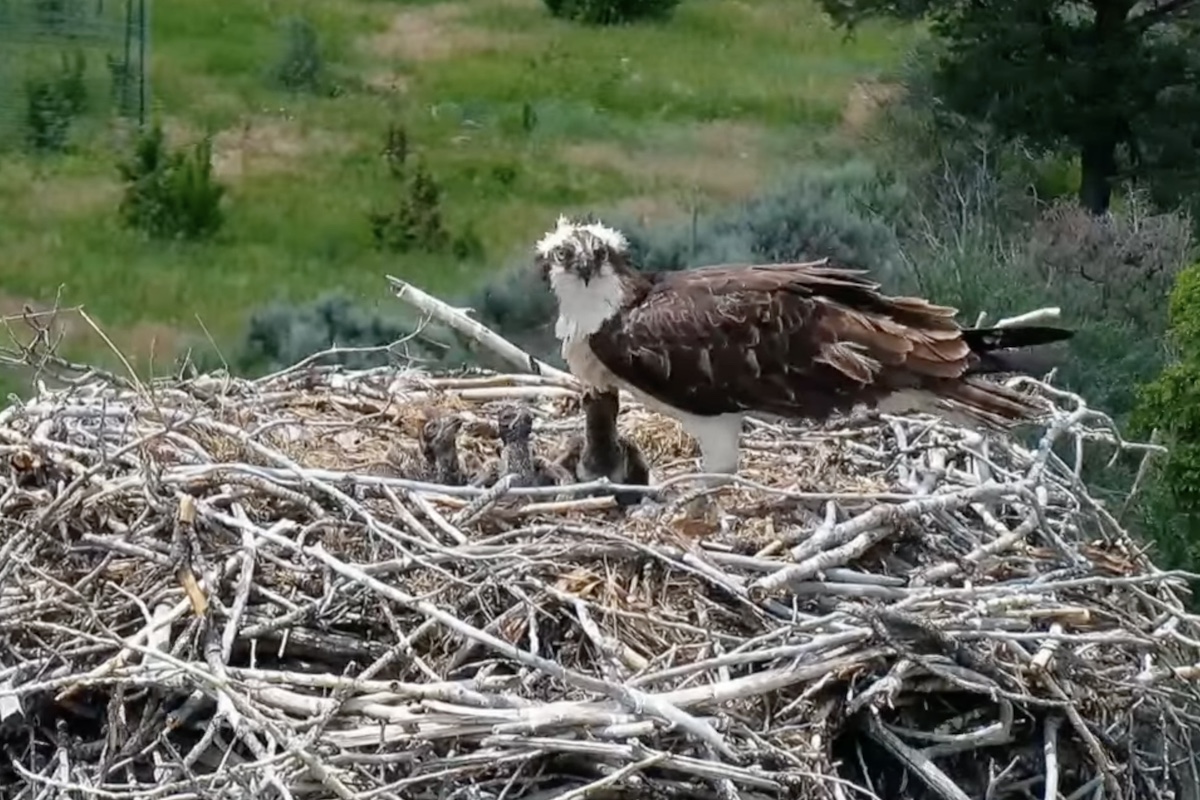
1094 75
1171 405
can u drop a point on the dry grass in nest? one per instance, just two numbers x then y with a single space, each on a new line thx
204 591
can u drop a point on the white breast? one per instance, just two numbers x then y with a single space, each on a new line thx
584 365
584 307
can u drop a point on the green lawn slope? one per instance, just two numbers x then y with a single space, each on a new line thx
520 116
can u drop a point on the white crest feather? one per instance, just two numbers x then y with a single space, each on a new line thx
565 229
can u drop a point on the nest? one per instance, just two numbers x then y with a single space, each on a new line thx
208 591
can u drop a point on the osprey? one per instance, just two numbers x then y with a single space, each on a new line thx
801 341
514 423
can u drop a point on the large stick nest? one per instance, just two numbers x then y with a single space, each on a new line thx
209 591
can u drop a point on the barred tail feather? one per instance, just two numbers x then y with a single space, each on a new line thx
992 403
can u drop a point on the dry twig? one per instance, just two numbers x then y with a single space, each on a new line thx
201 596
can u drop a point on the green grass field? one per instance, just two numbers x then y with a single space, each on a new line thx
653 120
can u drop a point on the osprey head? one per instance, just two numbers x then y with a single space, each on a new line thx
585 250
514 423
439 435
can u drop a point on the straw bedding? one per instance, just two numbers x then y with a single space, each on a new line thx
211 588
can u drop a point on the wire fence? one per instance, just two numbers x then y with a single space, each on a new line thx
68 68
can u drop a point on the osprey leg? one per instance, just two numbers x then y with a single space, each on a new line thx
719 438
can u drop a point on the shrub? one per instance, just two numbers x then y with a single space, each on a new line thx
58 16
842 213
47 117
395 150
611 12
170 195
1120 266
300 65
1170 404
1110 275
416 223
1107 274
123 84
950 162
53 102
281 334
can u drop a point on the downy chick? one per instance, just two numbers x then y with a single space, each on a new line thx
601 452
439 446
514 423
436 459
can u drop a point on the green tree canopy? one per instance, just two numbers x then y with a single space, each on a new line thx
1116 80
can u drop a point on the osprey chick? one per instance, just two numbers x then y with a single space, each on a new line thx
514 423
439 446
438 461
602 452
802 341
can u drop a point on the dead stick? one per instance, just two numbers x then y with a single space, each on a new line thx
476 331
183 572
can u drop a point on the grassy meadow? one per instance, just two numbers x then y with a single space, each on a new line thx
519 116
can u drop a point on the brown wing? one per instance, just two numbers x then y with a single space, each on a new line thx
797 339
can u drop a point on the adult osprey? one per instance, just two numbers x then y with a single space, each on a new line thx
708 345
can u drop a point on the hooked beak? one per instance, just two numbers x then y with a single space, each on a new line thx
586 272
591 266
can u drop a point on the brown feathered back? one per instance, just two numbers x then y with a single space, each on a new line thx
798 340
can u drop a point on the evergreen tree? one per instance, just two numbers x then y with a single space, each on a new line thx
1118 81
